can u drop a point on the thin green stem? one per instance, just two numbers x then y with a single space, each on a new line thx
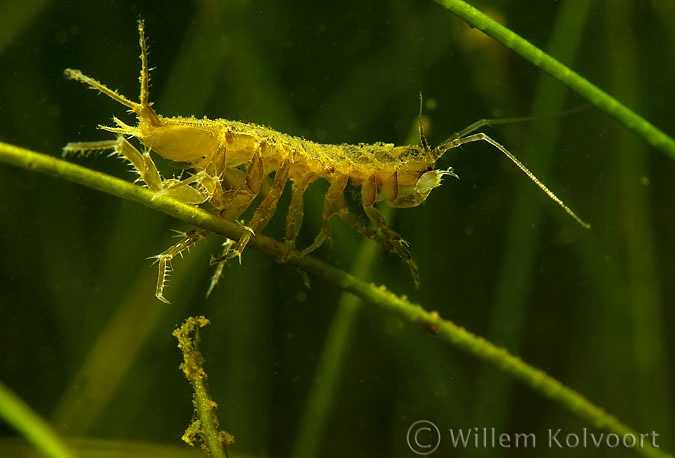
31 425
320 400
644 305
516 275
206 428
380 296
565 75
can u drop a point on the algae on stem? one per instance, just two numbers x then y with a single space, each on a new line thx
205 428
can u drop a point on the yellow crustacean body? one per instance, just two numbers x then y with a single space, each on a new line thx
203 142
233 163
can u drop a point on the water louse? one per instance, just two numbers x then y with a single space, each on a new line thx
232 163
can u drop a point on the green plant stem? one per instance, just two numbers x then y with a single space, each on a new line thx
380 296
644 305
31 425
322 393
565 75
516 274
206 428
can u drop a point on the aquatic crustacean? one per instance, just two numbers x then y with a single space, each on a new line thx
232 163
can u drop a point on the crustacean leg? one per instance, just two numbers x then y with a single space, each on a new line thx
262 214
393 241
338 183
165 257
296 211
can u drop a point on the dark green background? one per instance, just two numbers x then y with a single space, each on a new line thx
591 308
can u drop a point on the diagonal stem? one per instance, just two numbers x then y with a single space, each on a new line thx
565 75
380 296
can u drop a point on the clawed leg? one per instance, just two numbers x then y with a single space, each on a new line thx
262 214
227 246
392 240
148 173
358 225
242 188
194 190
142 163
205 185
296 213
334 203
334 193
385 236
164 259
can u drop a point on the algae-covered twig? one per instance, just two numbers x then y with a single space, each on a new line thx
379 296
205 427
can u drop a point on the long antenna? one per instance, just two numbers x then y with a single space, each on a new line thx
423 139
462 138
144 77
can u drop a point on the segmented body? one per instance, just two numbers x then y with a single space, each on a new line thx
234 143
233 163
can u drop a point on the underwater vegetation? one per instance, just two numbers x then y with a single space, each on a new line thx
574 321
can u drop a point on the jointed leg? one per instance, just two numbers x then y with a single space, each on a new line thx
263 213
393 241
148 172
227 246
164 258
241 188
337 187
142 163
204 185
296 212
385 236
356 223
232 214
